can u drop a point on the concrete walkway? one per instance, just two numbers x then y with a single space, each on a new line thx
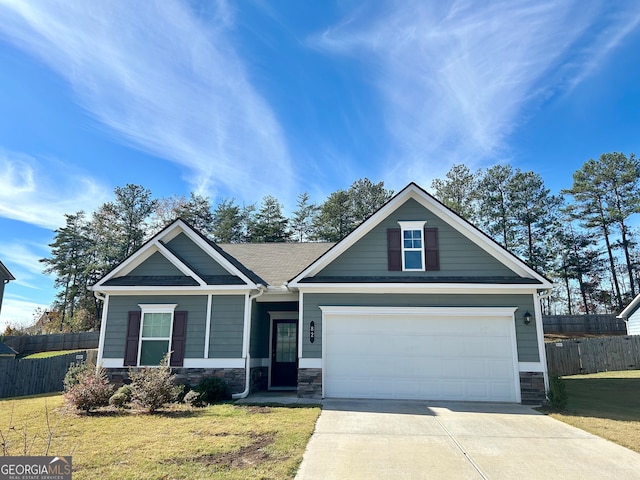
386 439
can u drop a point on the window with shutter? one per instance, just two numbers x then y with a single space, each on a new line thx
412 247
156 333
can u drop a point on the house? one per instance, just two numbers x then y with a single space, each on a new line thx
5 277
631 316
414 303
7 352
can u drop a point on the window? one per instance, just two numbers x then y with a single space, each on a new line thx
155 334
412 246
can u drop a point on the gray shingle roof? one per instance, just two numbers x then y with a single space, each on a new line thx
276 263
5 273
6 350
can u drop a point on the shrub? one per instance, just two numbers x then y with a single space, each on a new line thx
121 397
193 398
152 388
92 390
558 396
213 389
75 370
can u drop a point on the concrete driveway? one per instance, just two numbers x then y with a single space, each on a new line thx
387 439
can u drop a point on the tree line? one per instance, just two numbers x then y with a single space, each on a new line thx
581 238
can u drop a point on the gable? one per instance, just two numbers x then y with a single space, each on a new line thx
178 256
183 247
459 256
156 265
470 256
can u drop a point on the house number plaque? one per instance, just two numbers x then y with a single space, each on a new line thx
312 331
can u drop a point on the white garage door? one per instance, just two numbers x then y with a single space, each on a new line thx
420 353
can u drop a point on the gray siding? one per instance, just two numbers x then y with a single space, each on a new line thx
156 264
118 315
195 256
525 334
458 255
261 324
227 323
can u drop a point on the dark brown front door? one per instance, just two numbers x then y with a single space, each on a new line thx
284 353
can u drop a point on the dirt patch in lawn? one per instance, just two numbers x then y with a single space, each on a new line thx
257 409
249 456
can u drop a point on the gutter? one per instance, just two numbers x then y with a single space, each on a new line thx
247 335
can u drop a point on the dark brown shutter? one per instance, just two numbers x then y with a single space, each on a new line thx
431 255
133 336
178 339
394 250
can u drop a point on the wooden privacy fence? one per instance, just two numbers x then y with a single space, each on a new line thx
27 344
594 324
39 375
592 355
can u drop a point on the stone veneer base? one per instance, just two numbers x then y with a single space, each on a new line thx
235 377
532 388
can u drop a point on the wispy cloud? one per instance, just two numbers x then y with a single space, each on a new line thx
165 78
18 312
455 77
40 192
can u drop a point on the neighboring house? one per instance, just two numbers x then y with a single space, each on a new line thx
414 303
631 316
5 277
6 351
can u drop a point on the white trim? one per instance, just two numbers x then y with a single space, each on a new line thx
207 327
532 367
542 351
103 328
412 191
300 326
417 226
112 363
179 264
417 288
310 363
155 308
330 311
153 245
213 363
628 311
420 311
176 290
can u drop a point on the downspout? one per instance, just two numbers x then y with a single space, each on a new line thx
103 326
247 333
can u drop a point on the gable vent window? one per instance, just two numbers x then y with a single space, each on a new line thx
413 247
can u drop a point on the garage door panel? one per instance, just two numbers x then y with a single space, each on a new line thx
429 357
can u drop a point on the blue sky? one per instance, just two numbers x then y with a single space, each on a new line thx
253 98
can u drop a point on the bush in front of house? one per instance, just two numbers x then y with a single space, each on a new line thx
558 396
121 398
74 372
152 388
214 389
193 398
89 390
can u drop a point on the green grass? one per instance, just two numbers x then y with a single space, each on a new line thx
606 404
219 441
54 353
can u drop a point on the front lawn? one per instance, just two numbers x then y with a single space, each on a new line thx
606 404
219 441
53 353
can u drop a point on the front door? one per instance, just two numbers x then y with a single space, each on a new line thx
284 353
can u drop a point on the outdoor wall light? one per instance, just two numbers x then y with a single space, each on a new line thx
527 318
